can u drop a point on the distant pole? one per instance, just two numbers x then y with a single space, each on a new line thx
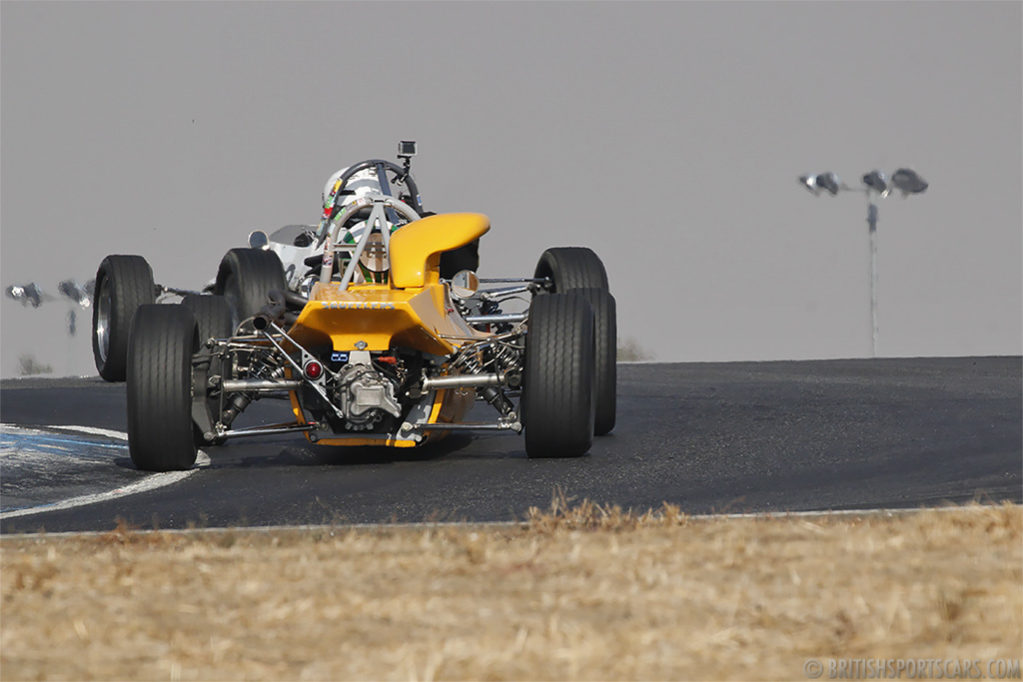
876 183
872 222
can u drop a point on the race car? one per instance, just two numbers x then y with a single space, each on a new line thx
124 282
378 347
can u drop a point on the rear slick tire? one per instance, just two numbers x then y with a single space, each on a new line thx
605 378
160 428
123 283
557 389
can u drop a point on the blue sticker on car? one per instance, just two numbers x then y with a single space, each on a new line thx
338 356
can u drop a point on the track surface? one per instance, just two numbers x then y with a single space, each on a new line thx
711 437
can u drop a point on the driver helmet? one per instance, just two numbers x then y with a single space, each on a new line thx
362 183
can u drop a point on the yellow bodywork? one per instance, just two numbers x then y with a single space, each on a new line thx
416 248
375 317
414 310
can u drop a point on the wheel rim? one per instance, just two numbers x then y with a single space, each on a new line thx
103 306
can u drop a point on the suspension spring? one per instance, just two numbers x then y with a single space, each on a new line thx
506 355
469 360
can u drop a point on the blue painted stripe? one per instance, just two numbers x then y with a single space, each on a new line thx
16 439
55 446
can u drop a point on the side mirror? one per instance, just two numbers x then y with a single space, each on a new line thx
464 284
258 239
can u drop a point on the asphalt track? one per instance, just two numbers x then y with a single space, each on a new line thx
711 437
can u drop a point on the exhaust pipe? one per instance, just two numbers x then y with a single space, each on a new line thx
272 311
276 308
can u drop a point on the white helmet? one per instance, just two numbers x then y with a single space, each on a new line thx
362 183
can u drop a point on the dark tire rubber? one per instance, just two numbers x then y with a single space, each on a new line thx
123 283
557 388
213 319
245 277
212 315
605 379
572 267
160 428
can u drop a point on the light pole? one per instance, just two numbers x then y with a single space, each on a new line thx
875 185
80 295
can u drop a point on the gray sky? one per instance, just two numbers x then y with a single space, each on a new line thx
666 136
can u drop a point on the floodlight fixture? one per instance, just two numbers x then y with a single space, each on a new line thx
16 292
75 292
26 293
907 180
810 182
877 181
830 182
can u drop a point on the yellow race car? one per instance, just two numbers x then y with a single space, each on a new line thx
381 350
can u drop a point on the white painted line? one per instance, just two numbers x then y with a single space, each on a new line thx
48 430
92 430
877 511
151 482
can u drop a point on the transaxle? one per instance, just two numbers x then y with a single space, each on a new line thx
363 396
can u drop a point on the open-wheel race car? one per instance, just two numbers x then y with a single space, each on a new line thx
125 282
378 336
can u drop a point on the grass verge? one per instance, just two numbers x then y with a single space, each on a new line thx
576 592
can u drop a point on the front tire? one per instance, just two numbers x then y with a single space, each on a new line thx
212 315
123 283
572 267
160 427
213 319
557 388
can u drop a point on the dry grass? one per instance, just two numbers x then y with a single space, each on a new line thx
583 592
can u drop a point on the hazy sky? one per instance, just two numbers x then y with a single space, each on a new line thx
666 136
